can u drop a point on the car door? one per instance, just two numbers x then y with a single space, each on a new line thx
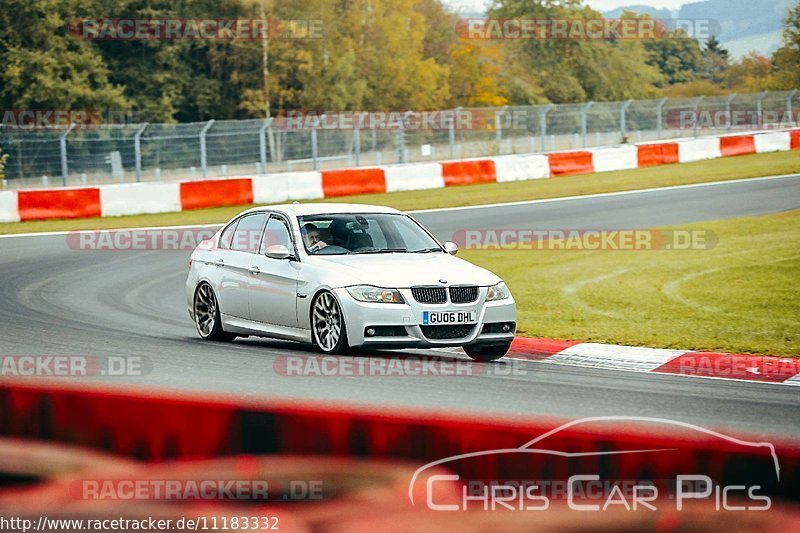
273 295
234 265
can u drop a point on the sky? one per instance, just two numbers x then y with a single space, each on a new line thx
602 5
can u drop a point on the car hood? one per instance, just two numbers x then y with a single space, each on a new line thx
393 270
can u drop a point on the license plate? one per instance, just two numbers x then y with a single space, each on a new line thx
430 318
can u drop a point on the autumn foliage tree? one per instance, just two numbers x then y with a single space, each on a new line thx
787 58
370 55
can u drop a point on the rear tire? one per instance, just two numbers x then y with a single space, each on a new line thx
206 315
328 329
485 353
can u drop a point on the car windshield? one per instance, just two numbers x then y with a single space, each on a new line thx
365 233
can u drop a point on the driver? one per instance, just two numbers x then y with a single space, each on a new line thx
316 239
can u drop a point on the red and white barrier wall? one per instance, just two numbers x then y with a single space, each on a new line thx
8 206
161 424
141 198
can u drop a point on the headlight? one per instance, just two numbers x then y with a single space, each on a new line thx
368 293
498 292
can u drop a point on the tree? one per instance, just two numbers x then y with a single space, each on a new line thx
693 89
390 38
478 71
182 80
787 58
371 55
676 55
43 67
713 46
716 60
751 74
576 70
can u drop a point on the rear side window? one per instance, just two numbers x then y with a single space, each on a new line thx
247 235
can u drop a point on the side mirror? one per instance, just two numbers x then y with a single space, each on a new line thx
278 251
451 248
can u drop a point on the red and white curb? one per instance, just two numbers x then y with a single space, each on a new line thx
740 367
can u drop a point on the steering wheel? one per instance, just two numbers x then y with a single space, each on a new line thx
331 249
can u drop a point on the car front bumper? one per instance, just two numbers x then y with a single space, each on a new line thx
361 315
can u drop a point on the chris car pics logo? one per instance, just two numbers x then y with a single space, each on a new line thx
449 490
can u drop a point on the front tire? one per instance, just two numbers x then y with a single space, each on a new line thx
328 329
206 315
486 353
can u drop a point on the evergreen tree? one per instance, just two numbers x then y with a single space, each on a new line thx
716 60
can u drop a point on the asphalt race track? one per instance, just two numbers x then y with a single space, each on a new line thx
55 300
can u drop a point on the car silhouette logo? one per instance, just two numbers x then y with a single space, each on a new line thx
529 447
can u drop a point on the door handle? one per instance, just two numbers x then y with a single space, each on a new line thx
255 271
219 263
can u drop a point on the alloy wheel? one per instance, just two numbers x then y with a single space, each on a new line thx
205 310
327 321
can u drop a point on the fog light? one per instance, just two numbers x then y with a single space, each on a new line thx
370 332
506 328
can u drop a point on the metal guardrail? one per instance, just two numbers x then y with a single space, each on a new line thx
218 148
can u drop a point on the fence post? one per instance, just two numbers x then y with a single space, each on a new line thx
498 126
402 153
262 144
728 112
696 120
203 154
622 119
659 109
137 151
357 138
315 142
760 109
401 142
543 123
584 111
789 110
62 140
451 135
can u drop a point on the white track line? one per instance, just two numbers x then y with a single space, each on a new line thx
79 231
609 194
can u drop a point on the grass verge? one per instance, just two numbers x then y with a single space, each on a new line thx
741 296
730 168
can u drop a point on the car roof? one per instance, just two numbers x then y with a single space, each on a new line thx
323 209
